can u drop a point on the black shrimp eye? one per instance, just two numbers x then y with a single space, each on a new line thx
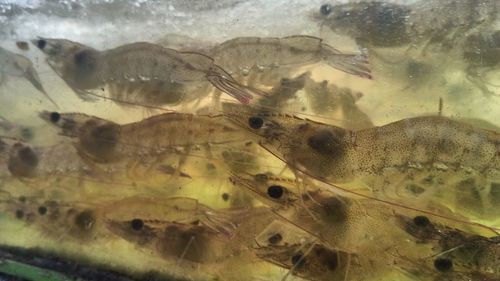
275 239
443 265
255 122
275 191
41 44
421 221
55 117
325 9
136 224
42 210
19 214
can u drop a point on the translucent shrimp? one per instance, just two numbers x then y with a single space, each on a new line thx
105 141
12 64
142 73
25 161
414 158
244 55
342 222
454 249
183 229
303 256
59 220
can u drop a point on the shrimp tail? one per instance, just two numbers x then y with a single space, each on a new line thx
31 75
349 63
226 83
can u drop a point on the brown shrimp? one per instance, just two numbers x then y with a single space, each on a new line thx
106 141
410 157
187 230
142 73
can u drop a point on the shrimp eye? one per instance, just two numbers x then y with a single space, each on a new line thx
55 117
421 221
255 122
443 265
275 239
275 191
41 44
42 210
137 224
19 214
325 9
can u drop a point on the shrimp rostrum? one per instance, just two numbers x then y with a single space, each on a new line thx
141 72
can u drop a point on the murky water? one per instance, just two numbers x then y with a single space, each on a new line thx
249 140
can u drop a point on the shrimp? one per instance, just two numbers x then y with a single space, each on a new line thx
454 249
57 219
164 141
28 162
106 141
381 24
188 230
140 72
12 64
342 222
303 256
242 55
411 158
